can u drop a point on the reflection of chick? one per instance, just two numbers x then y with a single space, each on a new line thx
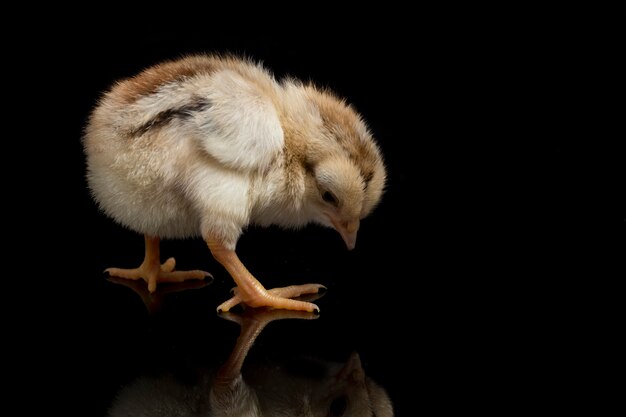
205 146
312 387
154 300
324 389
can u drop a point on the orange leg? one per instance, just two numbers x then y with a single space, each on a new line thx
152 271
252 293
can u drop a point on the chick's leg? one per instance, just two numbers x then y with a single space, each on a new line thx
252 293
152 271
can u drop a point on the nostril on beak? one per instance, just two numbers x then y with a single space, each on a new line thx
352 227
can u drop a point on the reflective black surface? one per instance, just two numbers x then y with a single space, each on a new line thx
274 380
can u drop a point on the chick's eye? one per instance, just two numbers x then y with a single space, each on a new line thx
329 198
338 407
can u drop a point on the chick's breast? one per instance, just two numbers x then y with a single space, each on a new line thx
172 152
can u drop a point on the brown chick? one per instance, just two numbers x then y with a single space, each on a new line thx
207 145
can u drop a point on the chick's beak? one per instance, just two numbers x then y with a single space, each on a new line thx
347 230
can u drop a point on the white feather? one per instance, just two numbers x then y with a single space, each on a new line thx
240 128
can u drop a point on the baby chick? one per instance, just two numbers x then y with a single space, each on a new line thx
207 145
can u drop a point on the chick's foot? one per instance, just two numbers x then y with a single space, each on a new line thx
152 275
153 272
279 298
252 293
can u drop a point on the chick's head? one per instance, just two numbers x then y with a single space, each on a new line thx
348 177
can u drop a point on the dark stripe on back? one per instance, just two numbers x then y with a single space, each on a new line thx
367 177
165 117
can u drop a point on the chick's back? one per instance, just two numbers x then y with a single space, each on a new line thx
182 138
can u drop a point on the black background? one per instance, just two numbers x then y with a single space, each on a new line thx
451 294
